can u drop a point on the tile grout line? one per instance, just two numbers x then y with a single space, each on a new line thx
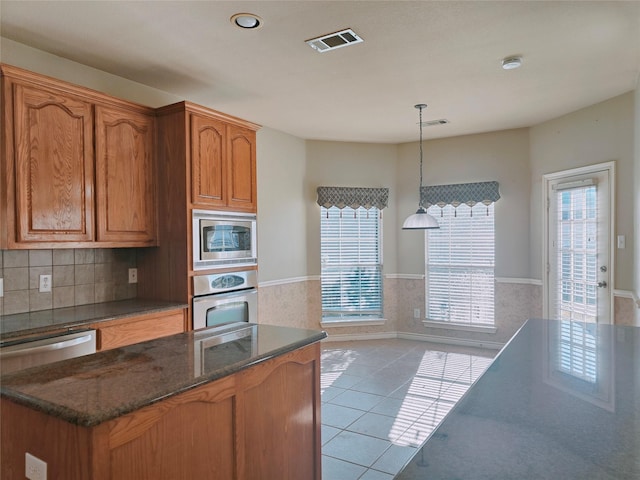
434 402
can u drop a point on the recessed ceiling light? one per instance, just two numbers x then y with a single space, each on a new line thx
509 63
247 21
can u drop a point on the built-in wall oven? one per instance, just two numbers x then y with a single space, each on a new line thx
223 239
224 298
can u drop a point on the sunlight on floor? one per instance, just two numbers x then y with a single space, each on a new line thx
383 398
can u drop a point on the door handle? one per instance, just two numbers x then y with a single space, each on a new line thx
602 284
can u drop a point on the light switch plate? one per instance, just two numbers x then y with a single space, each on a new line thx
1 287
621 241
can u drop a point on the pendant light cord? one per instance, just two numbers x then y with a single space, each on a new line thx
421 220
420 107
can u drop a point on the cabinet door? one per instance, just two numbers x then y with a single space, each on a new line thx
125 195
53 166
208 164
241 170
189 436
280 411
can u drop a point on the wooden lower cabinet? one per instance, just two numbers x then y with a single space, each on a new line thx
261 423
279 407
130 330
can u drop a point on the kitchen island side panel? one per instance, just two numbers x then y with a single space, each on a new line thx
264 418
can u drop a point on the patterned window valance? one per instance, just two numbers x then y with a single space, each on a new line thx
353 197
457 194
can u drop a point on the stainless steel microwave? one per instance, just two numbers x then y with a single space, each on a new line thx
223 239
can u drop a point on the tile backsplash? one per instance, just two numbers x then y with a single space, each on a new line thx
79 277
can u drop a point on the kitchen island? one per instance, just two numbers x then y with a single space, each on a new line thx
234 402
560 401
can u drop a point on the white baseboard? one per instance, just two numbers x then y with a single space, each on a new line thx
348 337
285 281
461 342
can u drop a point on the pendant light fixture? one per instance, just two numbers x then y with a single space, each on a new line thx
420 220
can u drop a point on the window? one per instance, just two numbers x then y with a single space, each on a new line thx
577 254
460 265
351 255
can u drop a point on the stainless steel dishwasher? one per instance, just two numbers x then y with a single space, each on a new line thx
49 349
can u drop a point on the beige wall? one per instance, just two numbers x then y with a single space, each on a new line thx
282 206
20 55
592 135
344 164
290 169
501 156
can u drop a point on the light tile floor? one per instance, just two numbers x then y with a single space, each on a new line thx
382 398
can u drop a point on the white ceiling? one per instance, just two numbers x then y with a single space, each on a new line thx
446 54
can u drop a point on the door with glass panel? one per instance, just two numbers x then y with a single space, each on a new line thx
578 285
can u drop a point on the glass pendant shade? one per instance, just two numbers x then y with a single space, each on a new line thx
420 220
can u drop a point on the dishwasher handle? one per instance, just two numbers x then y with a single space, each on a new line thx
47 347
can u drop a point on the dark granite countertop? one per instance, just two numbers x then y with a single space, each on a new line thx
57 320
560 401
95 388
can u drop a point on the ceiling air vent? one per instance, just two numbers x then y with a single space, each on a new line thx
431 123
335 40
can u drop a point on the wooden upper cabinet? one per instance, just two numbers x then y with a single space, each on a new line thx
53 166
241 169
125 173
223 165
222 158
208 162
77 167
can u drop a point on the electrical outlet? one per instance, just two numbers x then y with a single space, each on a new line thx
1 287
34 468
416 313
133 275
45 283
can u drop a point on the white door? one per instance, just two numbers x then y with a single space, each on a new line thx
578 284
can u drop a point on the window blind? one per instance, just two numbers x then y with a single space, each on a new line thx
460 259
351 273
